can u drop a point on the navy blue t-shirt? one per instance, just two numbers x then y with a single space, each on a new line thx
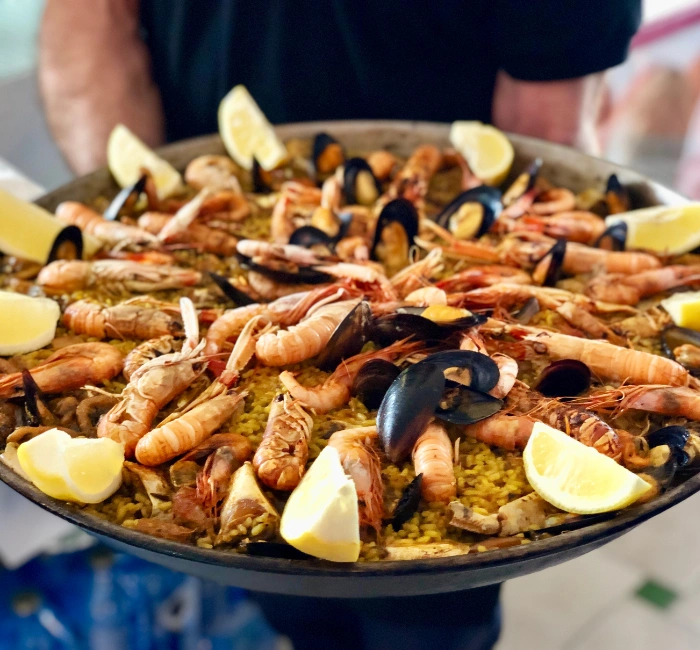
352 59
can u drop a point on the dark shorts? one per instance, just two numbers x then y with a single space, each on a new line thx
461 620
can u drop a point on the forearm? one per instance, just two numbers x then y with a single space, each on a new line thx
559 111
94 72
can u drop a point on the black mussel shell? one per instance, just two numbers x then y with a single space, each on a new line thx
352 169
119 201
408 503
325 152
68 245
564 378
304 275
675 437
348 338
400 211
309 236
491 207
260 178
462 405
32 395
674 336
484 371
407 407
275 549
528 311
395 327
523 183
373 381
234 294
616 196
556 256
613 238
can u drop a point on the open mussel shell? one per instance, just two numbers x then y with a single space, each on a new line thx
394 327
673 337
327 154
348 338
304 275
407 407
262 181
462 405
234 294
119 201
614 237
360 186
68 245
399 211
408 503
471 213
675 437
275 549
373 380
564 378
310 236
617 197
32 395
523 183
554 258
528 311
483 371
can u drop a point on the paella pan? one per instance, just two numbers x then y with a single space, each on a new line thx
449 528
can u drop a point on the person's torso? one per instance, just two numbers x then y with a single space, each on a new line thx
336 59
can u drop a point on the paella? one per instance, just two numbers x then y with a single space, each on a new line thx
348 355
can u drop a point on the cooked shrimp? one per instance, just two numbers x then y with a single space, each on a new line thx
361 463
335 391
504 430
153 385
146 351
630 289
294 196
432 457
557 199
580 258
507 367
225 206
575 226
280 460
418 274
427 296
605 360
216 173
382 164
111 233
304 340
129 321
484 276
262 252
264 288
198 235
214 479
412 180
332 193
687 355
68 369
369 279
580 318
66 276
678 401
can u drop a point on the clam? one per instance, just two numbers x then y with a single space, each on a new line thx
131 192
359 183
408 503
523 183
327 155
396 229
471 213
373 380
564 378
234 294
347 339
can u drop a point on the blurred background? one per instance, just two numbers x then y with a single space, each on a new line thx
642 591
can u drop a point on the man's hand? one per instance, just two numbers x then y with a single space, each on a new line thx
94 72
560 111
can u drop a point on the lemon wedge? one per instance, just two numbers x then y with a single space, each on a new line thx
127 155
684 309
487 150
668 229
72 469
247 133
27 324
576 478
321 517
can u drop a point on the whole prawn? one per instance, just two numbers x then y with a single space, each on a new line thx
335 391
574 226
216 173
361 463
412 180
68 369
432 457
66 276
146 351
484 276
127 320
280 460
195 234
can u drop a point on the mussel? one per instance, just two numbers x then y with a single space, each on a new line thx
462 405
262 180
666 456
396 229
408 503
564 378
310 236
327 155
523 183
675 438
373 380
472 213
483 371
390 328
552 261
359 183
68 245
348 338
112 213
528 311
234 294
617 197
34 408
614 237
682 345
302 275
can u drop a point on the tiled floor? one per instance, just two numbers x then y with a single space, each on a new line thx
592 603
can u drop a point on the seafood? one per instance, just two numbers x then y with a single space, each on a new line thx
216 173
483 276
411 182
197 235
574 226
432 457
146 351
